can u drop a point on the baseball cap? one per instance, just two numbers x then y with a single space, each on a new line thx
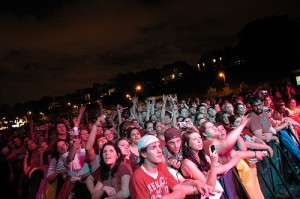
171 133
146 140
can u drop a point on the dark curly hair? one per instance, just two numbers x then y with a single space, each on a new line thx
105 171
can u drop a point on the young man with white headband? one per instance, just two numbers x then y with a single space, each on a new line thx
152 179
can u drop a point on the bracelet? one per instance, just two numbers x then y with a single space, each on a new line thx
195 188
196 191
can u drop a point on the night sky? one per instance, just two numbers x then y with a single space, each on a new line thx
54 47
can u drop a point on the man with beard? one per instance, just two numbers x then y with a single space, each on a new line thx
260 124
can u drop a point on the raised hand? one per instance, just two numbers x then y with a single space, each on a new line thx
213 156
134 100
164 99
82 108
76 121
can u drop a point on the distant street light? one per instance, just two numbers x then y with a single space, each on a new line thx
128 97
29 113
221 74
138 89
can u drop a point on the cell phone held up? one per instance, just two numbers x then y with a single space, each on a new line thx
182 125
212 148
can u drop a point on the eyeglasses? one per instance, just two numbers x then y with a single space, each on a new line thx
279 113
257 105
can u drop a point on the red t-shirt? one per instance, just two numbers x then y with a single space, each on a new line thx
123 169
260 121
255 122
144 186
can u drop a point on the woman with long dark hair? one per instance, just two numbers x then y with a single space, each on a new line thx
123 145
215 134
134 136
114 174
34 166
196 164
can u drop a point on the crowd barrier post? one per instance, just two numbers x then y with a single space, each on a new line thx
288 162
280 177
266 182
238 179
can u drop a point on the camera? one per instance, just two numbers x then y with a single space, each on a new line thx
182 125
74 136
178 156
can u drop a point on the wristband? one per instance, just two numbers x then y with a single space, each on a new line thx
196 191
195 188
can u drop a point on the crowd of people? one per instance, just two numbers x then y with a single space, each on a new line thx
243 146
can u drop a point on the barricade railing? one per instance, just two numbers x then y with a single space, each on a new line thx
238 180
289 163
281 157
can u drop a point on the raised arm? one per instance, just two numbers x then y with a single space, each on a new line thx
100 107
163 108
231 138
140 117
72 152
152 105
89 147
81 112
174 118
119 112
134 107
148 108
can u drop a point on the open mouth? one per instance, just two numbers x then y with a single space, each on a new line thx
107 158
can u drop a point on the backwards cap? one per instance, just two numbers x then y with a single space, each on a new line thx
146 140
